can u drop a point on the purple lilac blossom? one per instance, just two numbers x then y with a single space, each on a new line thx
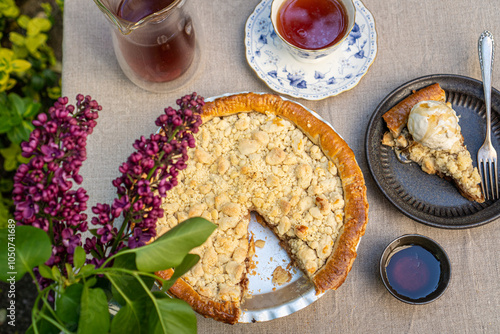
147 175
43 188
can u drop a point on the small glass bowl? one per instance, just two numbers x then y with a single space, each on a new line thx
431 246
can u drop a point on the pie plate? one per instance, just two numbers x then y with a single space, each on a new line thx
267 300
270 301
426 198
338 72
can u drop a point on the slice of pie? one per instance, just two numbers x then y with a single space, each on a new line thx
260 153
425 129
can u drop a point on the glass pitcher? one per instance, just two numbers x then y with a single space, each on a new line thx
156 42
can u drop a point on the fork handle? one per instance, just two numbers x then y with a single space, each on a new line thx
486 46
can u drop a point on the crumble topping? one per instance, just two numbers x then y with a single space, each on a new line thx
281 276
455 163
260 243
263 163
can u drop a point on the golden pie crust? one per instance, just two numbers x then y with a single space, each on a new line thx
397 117
355 210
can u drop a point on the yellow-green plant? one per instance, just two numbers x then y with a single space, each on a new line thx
8 65
29 80
9 9
34 43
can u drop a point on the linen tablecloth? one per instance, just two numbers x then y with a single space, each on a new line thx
415 38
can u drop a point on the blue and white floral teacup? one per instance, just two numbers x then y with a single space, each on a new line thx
309 55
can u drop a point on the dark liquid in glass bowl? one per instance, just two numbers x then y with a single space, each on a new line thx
161 51
312 24
413 272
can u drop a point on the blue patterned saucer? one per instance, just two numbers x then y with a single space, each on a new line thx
338 72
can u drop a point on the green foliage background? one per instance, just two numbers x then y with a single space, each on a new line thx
30 82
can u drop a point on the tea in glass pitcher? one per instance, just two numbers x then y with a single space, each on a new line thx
154 41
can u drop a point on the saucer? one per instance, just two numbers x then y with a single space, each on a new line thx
336 73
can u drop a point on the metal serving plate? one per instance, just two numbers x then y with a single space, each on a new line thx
426 198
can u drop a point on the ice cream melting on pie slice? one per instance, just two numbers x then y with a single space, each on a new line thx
426 129
434 124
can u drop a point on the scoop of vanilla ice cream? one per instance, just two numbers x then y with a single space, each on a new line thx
434 124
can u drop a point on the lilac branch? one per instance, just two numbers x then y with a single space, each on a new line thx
44 192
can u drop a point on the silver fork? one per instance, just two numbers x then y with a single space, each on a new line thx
487 156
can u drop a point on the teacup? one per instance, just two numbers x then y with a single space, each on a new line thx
312 55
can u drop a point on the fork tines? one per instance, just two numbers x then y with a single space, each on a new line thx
489 176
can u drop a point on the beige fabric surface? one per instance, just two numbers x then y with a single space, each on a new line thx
415 38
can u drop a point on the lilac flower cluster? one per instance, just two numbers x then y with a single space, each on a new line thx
149 172
43 192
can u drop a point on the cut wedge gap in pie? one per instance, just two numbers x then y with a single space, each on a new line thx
259 152
424 129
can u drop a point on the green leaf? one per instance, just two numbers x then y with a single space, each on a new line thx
20 51
27 128
16 38
6 55
32 248
23 21
20 65
5 123
130 318
169 250
15 118
79 257
44 326
10 84
5 81
189 261
32 109
10 10
172 316
85 270
50 77
20 133
34 42
37 82
4 212
94 312
128 284
10 155
54 92
17 103
6 185
56 274
127 261
10 165
47 8
68 304
37 25
11 151
45 271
